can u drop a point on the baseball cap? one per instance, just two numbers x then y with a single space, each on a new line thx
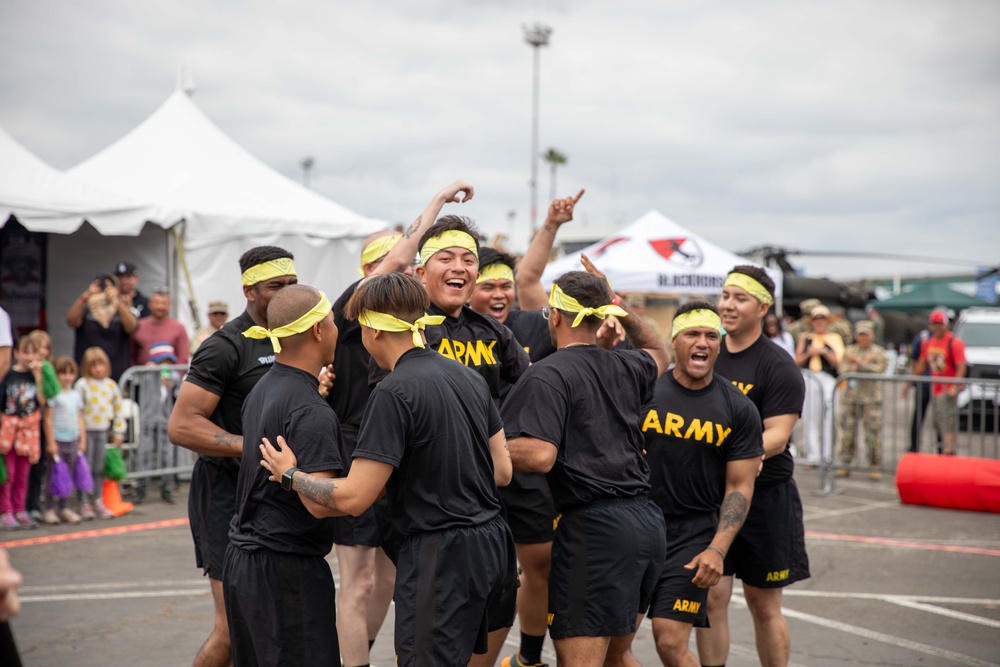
864 326
938 317
807 305
218 307
820 311
123 268
162 351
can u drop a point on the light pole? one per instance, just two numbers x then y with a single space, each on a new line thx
306 163
537 36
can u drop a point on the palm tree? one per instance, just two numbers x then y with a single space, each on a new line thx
554 158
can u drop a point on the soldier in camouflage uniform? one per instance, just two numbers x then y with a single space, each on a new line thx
803 325
862 399
839 324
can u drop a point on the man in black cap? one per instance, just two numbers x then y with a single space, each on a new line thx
128 280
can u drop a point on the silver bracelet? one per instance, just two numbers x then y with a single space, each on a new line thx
718 551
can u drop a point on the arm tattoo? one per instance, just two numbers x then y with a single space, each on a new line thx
317 489
229 440
640 334
412 229
734 511
549 227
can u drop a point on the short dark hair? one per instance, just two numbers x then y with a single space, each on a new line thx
589 290
451 223
696 305
66 364
261 254
758 274
488 255
395 294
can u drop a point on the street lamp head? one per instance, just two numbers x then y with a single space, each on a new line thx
536 34
307 163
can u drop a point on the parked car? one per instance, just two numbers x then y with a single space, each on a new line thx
979 404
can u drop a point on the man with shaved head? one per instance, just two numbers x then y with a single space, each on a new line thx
279 540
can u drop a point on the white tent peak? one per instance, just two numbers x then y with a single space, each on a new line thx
178 158
185 81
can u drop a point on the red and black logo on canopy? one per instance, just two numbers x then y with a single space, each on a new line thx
680 251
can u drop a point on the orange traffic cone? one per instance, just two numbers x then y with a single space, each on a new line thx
112 496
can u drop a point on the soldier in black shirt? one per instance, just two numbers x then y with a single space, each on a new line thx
576 415
432 437
278 586
704 448
770 551
206 419
366 572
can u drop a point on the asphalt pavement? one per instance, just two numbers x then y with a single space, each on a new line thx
891 585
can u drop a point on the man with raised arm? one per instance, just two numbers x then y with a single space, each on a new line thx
770 551
206 419
704 447
366 572
575 415
434 424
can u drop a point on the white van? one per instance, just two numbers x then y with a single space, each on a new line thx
979 329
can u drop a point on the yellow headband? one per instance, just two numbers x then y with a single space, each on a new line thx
377 249
562 301
386 322
696 319
495 271
752 286
282 266
304 323
452 238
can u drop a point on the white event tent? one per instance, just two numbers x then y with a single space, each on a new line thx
89 229
231 201
655 255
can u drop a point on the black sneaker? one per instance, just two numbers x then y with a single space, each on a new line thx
167 495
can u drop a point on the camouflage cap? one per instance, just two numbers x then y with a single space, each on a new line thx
807 305
864 326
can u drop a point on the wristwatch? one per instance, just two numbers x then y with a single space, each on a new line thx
286 479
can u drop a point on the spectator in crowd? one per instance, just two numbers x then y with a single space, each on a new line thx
100 319
878 324
159 327
21 405
128 280
155 394
803 324
6 343
922 393
862 400
820 351
218 313
944 355
637 303
840 325
781 338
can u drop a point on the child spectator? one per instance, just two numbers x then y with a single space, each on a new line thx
50 388
20 432
66 434
156 394
102 407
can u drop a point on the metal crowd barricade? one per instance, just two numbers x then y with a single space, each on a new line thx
151 392
977 433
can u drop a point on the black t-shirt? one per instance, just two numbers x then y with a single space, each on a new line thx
19 393
350 366
285 402
768 376
477 341
690 436
140 305
432 420
112 339
229 365
586 401
532 331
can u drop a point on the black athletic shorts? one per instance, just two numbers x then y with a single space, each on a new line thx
676 597
770 550
530 510
357 531
606 558
211 506
445 582
281 608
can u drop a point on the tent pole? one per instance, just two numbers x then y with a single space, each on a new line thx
192 300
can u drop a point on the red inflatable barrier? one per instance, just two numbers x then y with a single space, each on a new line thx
949 482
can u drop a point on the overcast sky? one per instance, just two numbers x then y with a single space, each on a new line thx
824 126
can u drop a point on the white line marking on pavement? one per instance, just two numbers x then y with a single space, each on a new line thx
850 510
124 595
941 611
112 585
890 597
